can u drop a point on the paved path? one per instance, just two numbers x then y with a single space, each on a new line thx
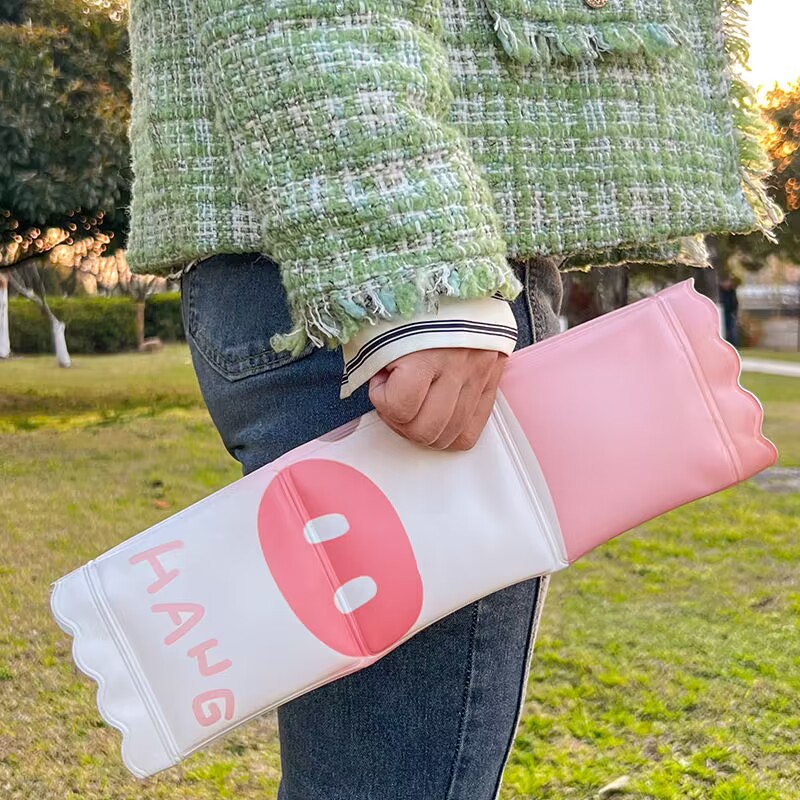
771 367
780 480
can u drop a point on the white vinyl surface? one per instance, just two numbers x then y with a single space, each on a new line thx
186 622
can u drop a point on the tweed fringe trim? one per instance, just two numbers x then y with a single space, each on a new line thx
544 43
689 251
335 317
754 161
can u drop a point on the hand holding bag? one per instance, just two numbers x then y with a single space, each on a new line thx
319 563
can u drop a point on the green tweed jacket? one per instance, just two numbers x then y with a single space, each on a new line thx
387 152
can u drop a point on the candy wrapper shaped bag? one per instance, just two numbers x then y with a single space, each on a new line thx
316 565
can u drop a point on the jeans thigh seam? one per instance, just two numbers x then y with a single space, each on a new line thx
191 322
465 700
542 584
533 315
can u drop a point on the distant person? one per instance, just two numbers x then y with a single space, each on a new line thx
730 309
401 181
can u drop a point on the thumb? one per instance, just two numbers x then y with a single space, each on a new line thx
377 388
399 390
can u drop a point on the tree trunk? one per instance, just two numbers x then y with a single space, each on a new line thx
5 341
706 281
139 323
613 288
594 293
57 328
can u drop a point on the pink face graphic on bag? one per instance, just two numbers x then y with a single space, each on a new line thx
340 556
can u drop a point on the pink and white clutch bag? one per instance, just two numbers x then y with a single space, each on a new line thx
318 564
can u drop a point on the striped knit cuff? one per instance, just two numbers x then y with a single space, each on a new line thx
486 323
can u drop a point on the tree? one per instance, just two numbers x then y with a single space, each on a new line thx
12 11
5 341
28 282
781 109
783 142
64 152
107 275
65 105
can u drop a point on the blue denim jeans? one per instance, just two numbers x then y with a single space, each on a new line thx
434 719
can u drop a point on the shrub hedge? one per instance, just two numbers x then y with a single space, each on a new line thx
94 324
162 317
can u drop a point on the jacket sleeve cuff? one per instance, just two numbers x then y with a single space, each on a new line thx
486 323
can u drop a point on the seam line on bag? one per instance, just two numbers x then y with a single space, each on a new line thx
703 385
285 477
556 548
134 668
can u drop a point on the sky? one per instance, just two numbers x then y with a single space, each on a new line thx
774 41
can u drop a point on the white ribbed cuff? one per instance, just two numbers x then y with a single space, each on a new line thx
486 323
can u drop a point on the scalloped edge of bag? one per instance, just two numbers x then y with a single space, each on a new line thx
96 654
749 413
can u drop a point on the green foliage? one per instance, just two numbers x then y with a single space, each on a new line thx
65 106
781 110
12 10
94 324
162 317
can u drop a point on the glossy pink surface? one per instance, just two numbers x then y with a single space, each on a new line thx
635 413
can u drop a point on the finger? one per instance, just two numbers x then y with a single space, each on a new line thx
435 413
399 392
468 405
471 431
378 379
468 400
398 429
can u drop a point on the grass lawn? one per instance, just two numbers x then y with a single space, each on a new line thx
671 655
35 393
